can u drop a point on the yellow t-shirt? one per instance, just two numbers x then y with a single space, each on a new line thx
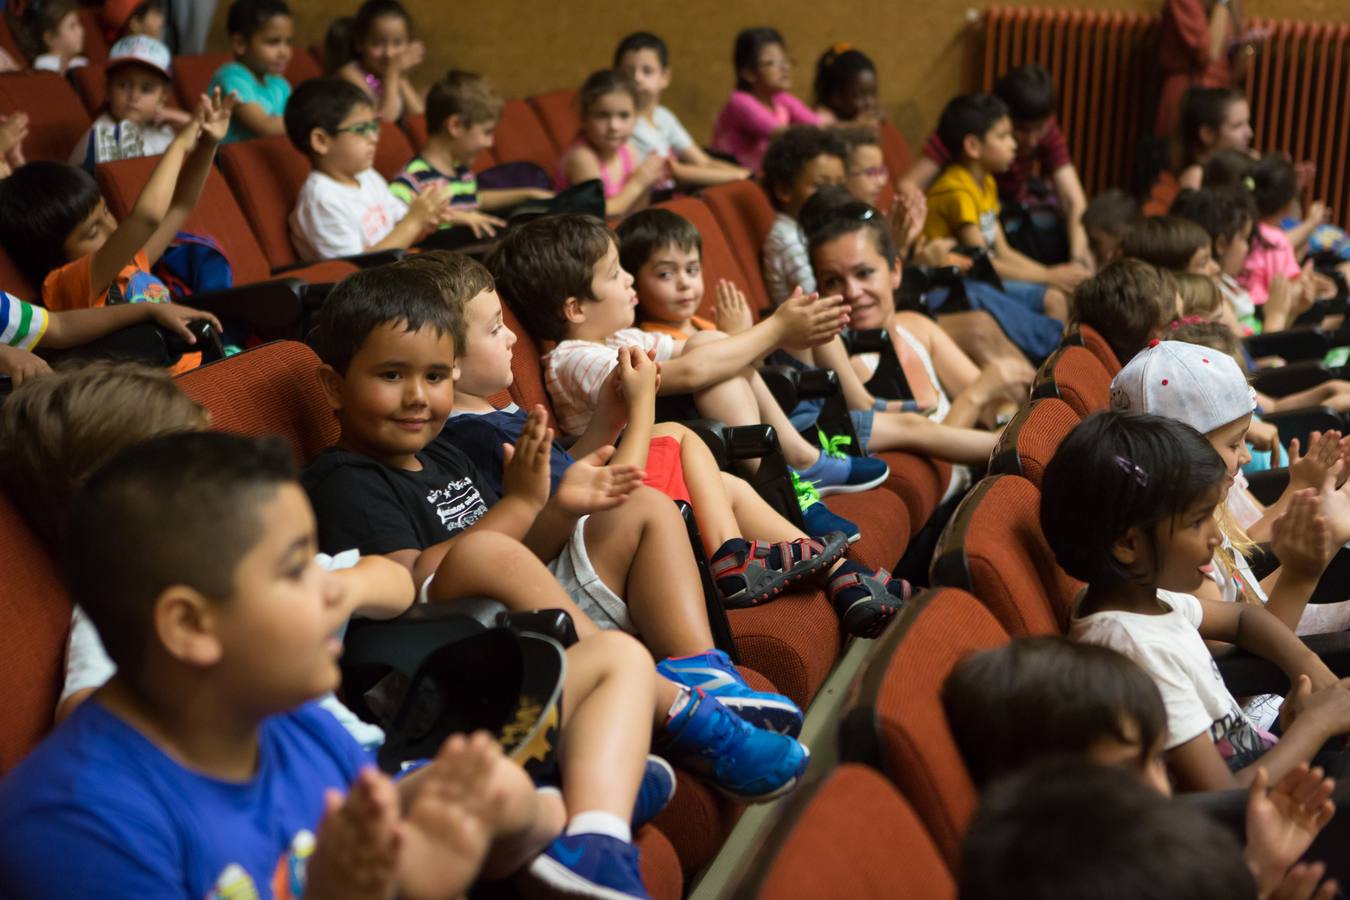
954 200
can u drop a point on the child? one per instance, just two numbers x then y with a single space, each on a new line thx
1066 829
963 203
55 36
799 162
1042 698
24 325
1208 392
462 113
846 88
1127 505
147 18
602 150
643 57
377 57
345 207
1171 243
1272 258
865 172
1128 303
854 256
761 106
215 770
136 121
1108 218
393 487
260 39
58 230
1212 119
720 501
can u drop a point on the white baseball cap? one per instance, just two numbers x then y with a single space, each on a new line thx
1201 387
143 50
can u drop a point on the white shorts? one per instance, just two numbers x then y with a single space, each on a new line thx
578 578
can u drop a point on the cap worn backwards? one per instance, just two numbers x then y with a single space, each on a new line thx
1201 387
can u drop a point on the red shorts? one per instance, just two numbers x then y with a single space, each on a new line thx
665 472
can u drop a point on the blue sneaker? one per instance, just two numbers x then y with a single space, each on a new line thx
589 865
816 516
837 473
655 792
747 763
714 674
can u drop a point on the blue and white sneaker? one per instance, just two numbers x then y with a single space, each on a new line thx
817 518
714 674
655 792
837 473
747 763
590 865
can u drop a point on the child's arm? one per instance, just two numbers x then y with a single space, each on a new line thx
257 120
1257 630
413 104
1301 540
802 321
525 480
21 365
1073 201
591 484
582 164
1015 266
377 587
425 211
74 327
503 198
134 232
751 116
627 398
213 120
922 172
694 167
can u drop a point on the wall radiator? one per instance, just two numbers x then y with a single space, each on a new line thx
1104 66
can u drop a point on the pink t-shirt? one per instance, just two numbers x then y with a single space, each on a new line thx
612 187
1272 255
745 126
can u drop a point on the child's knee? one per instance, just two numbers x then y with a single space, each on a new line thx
623 655
699 338
671 430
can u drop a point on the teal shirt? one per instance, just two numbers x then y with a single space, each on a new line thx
271 94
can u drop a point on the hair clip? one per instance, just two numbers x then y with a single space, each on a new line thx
1188 320
1249 182
841 48
1129 468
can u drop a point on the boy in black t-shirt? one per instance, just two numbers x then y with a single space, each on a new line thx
392 486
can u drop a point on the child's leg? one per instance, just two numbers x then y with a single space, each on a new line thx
641 551
712 509
474 566
610 694
756 519
911 431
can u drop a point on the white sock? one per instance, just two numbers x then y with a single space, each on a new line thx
597 822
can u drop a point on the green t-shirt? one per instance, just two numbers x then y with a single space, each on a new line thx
271 94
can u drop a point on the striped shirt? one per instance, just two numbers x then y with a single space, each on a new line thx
22 324
420 174
575 371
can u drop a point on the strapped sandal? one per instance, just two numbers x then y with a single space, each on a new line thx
745 580
868 616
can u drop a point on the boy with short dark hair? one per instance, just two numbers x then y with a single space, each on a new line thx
1128 303
202 768
462 114
260 39
963 203
644 57
345 207
1108 218
394 486
800 161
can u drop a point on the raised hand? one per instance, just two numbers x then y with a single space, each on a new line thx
1282 821
639 377
1301 537
358 844
527 469
214 112
591 485
732 312
1323 457
809 320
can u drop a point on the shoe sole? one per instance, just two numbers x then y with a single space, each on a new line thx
787 579
868 619
768 715
561 880
826 491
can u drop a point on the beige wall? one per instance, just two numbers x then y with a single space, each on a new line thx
924 50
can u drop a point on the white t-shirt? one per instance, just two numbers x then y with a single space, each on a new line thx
51 62
108 140
574 372
786 261
1170 649
662 135
332 219
88 665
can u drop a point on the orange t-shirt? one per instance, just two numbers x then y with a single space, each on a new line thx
700 324
69 287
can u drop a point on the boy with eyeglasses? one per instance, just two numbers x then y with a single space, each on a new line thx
345 206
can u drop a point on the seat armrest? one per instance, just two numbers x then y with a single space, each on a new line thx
1291 343
1247 675
266 305
360 260
1298 376
866 340
551 623
729 444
